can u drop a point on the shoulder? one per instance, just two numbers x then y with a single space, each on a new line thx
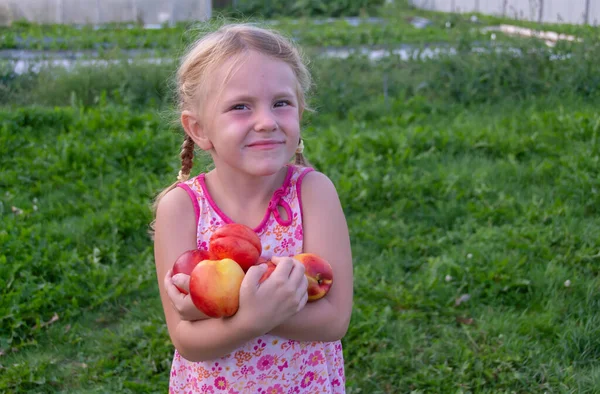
316 188
313 180
175 206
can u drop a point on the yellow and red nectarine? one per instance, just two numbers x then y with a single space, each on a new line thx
215 287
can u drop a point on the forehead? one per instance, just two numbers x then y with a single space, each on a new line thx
253 74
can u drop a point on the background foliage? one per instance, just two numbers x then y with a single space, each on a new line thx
470 183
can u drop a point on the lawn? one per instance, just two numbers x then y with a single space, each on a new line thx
470 184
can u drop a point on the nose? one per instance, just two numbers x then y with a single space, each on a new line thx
265 120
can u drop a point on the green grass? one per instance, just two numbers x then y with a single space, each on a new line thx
470 183
499 202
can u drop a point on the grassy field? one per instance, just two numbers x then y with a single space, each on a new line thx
471 187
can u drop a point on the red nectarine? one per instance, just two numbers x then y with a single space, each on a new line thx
319 274
186 262
237 242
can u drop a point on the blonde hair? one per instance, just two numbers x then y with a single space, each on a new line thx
212 50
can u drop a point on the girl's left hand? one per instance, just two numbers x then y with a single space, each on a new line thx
182 303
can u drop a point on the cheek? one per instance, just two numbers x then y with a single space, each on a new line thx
291 119
229 125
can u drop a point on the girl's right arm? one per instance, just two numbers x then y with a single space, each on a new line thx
262 306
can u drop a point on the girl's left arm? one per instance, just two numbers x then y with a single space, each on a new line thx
325 233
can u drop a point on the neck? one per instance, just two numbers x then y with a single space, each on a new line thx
235 192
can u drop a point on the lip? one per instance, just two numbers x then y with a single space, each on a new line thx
265 144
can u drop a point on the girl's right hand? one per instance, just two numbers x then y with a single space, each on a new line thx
266 305
181 302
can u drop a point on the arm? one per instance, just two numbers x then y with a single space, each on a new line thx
176 233
325 234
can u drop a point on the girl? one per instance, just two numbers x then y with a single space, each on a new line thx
242 94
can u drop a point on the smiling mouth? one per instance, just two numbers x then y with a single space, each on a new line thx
264 144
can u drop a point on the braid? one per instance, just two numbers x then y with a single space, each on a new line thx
299 159
187 158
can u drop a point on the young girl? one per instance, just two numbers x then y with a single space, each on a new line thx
242 94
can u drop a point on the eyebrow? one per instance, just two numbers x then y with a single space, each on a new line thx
247 97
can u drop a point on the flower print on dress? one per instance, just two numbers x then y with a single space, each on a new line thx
283 366
245 371
298 233
215 224
216 369
202 372
307 379
242 357
221 383
315 358
276 389
260 345
285 247
265 362
279 232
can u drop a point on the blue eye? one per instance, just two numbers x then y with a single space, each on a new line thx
286 102
238 107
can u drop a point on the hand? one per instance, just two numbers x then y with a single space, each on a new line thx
182 303
264 306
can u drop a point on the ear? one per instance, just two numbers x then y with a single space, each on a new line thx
193 127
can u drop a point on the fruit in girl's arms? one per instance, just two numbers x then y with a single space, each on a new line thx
316 269
237 242
186 262
270 268
215 287
319 274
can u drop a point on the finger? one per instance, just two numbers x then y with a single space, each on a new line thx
298 273
284 266
302 287
182 281
167 280
253 275
174 294
302 303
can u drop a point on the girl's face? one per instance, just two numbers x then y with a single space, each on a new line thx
252 120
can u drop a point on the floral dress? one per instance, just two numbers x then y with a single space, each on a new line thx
267 364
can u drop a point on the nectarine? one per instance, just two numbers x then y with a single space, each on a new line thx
237 242
270 268
186 262
316 269
319 274
215 287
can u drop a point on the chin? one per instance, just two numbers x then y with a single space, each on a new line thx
266 166
265 170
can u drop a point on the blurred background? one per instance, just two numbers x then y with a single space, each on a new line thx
462 137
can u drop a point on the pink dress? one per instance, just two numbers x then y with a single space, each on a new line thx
267 364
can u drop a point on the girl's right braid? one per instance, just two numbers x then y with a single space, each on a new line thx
187 159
